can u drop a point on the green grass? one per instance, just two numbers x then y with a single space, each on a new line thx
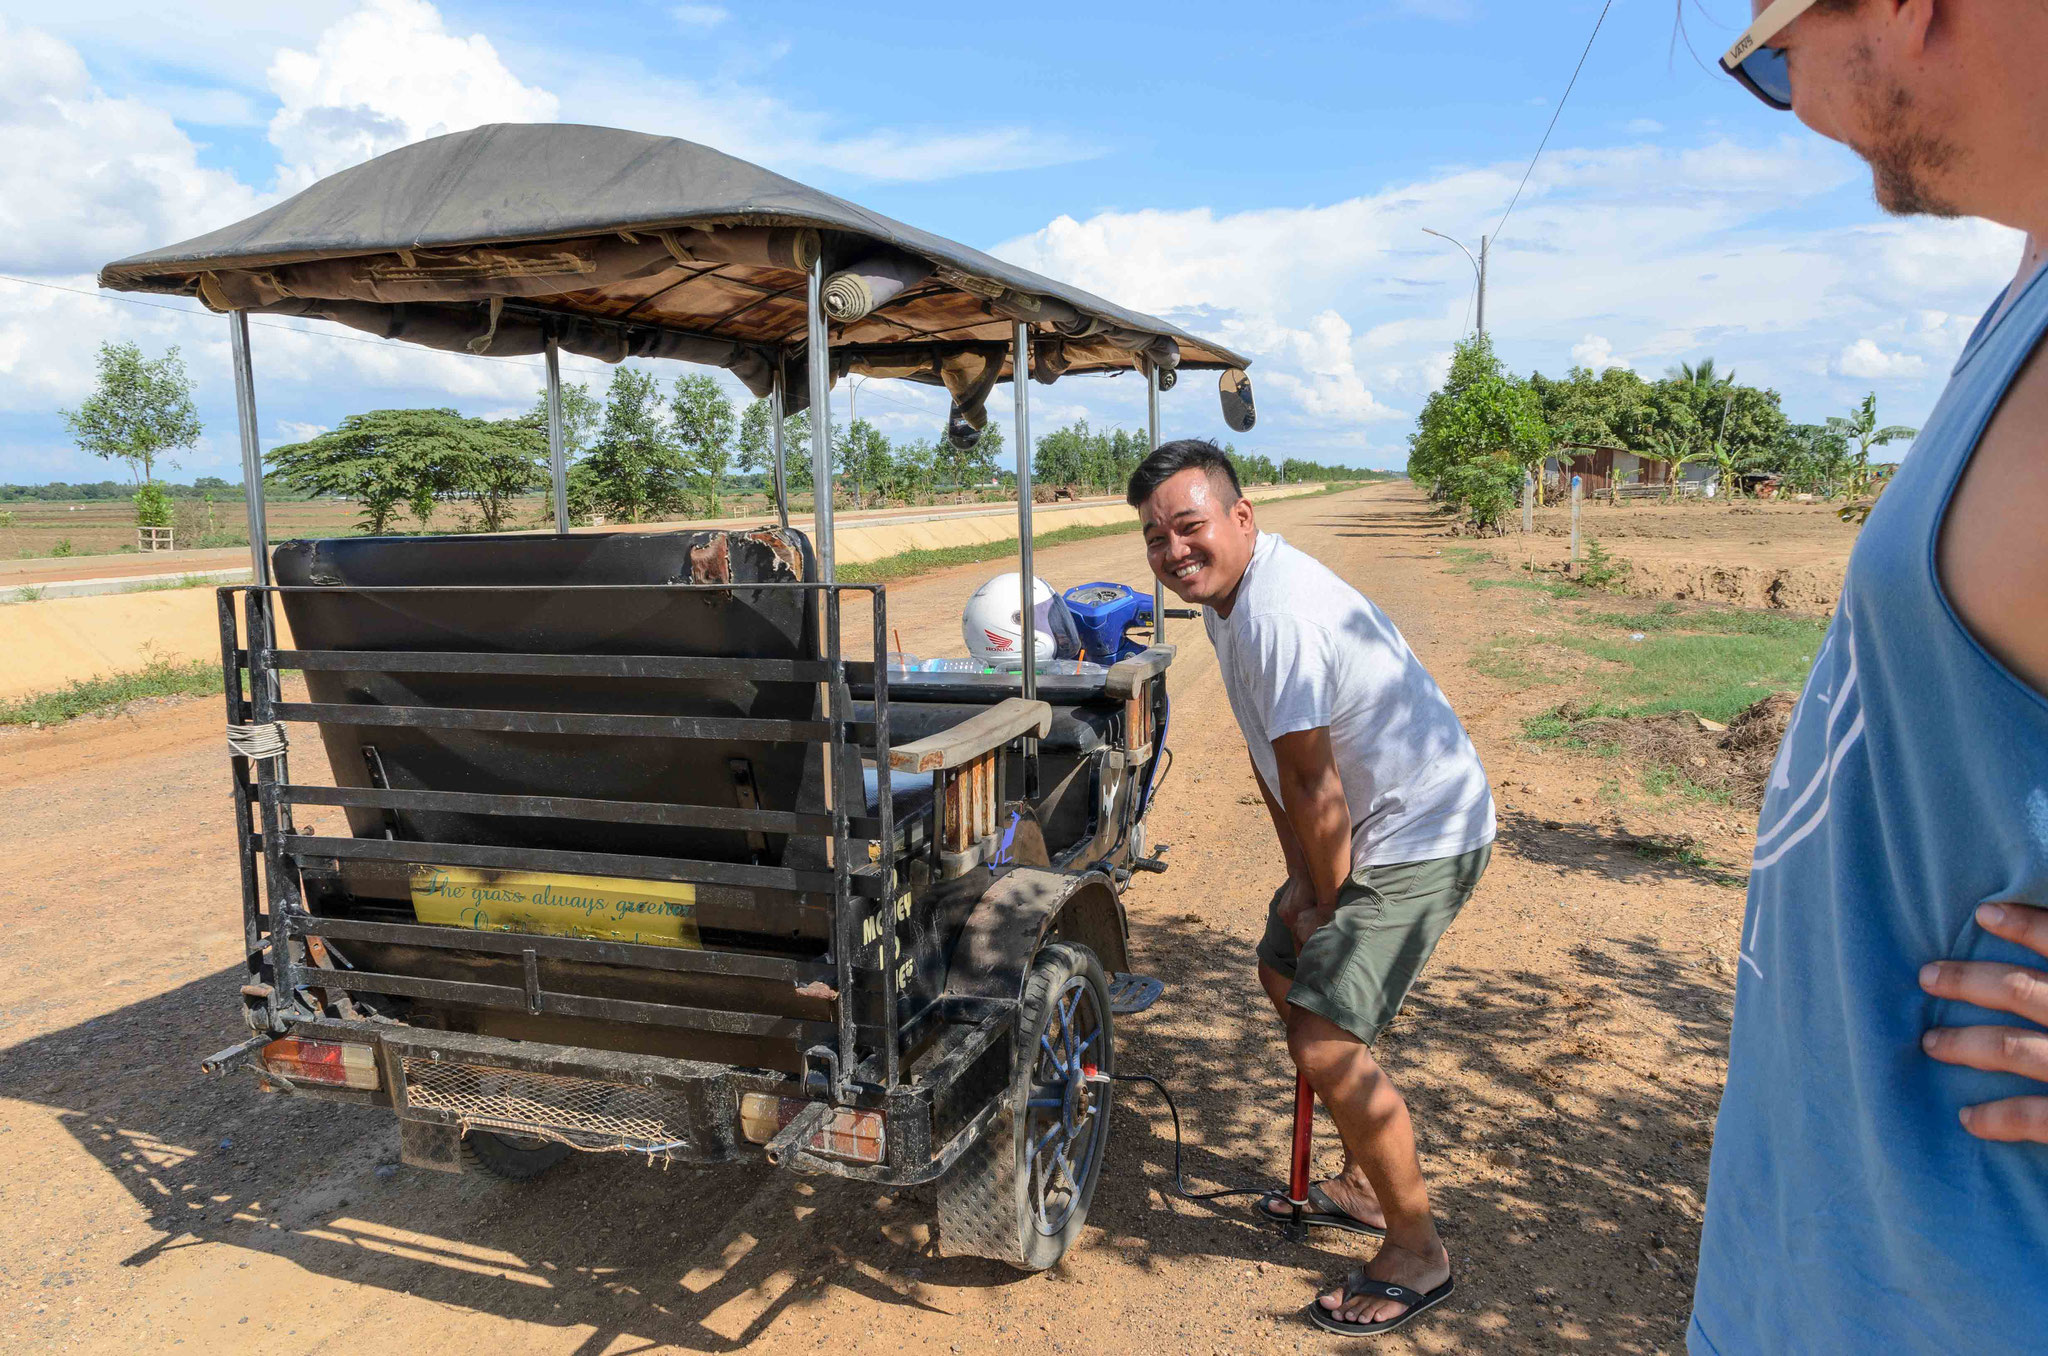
183 581
158 678
31 594
1713 661
1530 586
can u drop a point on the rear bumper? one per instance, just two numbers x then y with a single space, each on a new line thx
678 1111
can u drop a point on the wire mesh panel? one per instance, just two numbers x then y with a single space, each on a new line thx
580 1111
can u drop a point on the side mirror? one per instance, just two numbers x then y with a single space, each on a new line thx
1235 391
962 435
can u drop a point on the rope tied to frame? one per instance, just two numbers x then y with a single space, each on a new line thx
257 741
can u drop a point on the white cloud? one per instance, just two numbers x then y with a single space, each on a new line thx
700 16
1865 361
386 76
290 430
86 177
1660 253
1596 353
755 124
1643 127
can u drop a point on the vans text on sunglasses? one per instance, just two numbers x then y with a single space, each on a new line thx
1760 68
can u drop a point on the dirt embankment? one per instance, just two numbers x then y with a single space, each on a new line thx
1745 553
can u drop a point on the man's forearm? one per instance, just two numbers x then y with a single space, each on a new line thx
1321 820
1316 811
1290 846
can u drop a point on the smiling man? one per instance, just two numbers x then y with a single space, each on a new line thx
1385 822
1880 1171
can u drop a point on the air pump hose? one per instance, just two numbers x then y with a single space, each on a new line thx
1180 1185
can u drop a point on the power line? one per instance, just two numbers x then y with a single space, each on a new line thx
1558 113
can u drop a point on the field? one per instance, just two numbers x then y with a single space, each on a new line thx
1563 1053
107 527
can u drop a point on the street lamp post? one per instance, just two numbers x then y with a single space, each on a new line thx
1478 269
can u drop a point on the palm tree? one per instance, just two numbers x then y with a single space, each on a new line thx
1860 429
1705 375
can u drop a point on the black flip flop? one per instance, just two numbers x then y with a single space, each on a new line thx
1323 1213
1358 1286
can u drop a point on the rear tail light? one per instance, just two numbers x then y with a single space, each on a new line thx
763 1115
852 1135
340 1064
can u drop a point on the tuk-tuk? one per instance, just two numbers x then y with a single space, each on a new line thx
638 858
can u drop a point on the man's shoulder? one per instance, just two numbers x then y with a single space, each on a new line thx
1292 585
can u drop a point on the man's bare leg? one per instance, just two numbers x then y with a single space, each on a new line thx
1350 1190
1380 1162
1380 1138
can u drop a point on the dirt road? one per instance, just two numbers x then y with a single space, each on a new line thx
1563 1057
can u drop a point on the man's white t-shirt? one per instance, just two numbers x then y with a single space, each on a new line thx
1302 649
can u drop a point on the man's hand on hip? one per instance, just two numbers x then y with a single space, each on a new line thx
1999 1049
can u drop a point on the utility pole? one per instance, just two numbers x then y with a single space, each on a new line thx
1478 267
1482 287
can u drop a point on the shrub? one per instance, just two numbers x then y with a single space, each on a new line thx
152 506
1599 569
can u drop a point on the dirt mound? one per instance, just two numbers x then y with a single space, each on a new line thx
1797 588
1735 758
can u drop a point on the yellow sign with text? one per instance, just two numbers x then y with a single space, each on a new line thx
649 912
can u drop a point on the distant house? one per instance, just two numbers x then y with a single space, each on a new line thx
1600 469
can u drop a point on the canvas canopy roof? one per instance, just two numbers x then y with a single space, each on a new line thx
619 244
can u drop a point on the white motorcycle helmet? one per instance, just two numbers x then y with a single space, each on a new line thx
994 630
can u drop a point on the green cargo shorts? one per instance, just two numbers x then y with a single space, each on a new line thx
1357 968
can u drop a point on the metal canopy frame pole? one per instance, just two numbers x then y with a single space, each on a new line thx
558 453
820 370
1152 437
1020 367
775 441
1027 613
252 448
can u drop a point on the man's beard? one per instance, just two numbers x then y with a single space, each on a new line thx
1904 159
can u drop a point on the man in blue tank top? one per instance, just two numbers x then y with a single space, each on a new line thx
1880 1168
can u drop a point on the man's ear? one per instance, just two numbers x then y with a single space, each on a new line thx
1242 512
1915 23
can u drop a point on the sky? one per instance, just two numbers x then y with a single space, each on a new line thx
1260 175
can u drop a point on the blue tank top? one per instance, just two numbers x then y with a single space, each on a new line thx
1847 1209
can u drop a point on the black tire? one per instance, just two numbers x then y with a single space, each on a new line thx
516 1158
1003 1199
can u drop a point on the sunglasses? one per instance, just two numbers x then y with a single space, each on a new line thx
1759 68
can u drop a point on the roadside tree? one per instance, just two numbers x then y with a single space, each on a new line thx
386 460
1479 432
704 429
581 414
1859 432
140 409
633 467
864 458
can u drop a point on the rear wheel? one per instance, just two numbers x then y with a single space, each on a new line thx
518 1158
1021 1195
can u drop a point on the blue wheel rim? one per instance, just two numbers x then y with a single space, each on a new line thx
1066 1116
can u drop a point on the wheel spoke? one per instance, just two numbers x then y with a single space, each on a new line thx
1038 1148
